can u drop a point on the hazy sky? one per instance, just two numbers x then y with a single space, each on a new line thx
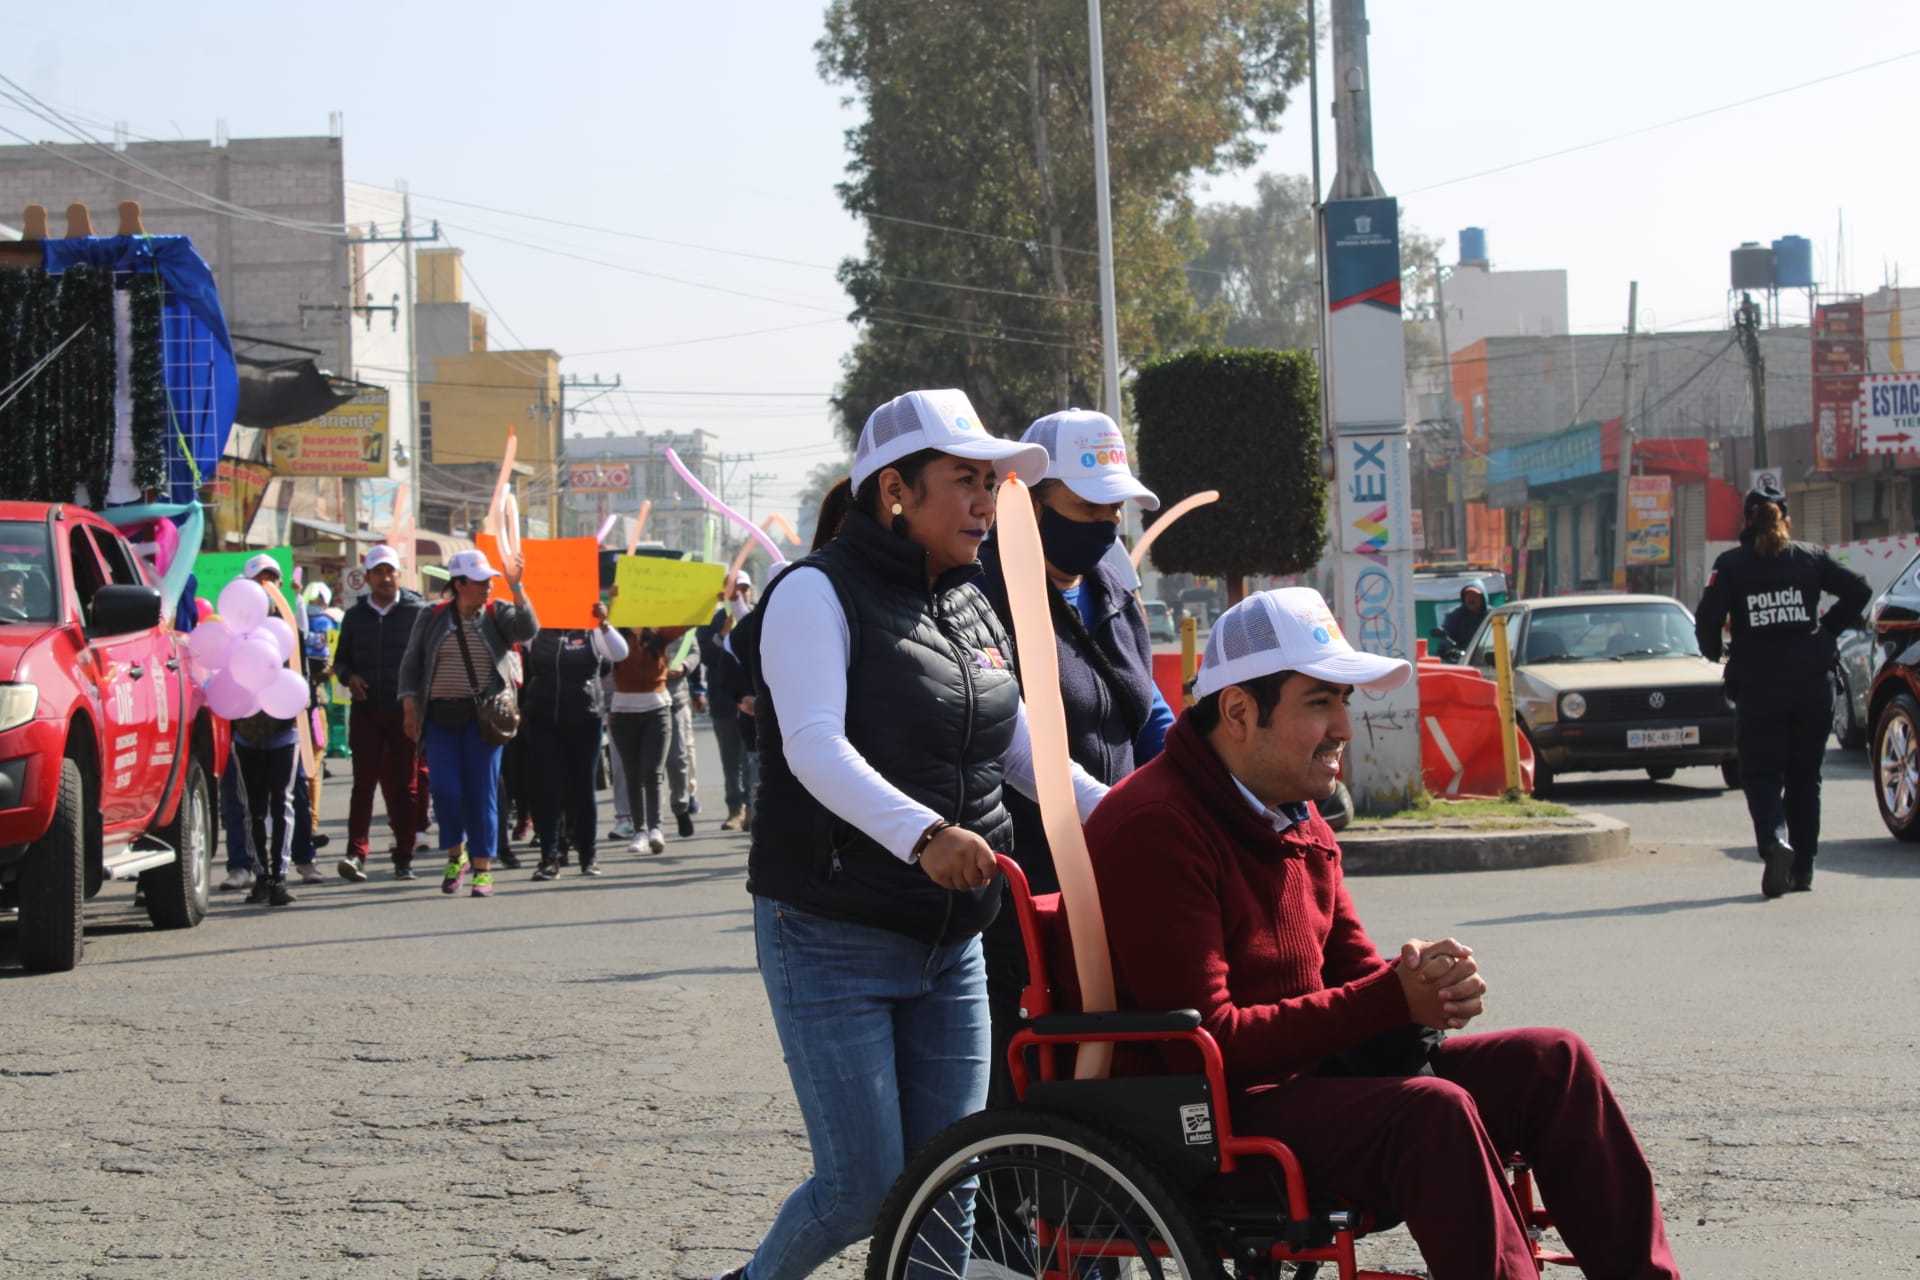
705 133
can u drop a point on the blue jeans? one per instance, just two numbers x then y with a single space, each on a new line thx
885 1039
464 775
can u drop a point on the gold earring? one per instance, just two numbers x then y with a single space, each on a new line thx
897 509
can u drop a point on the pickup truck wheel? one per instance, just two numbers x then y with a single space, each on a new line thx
53 883
177 893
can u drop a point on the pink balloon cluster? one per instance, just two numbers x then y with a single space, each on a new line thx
240 655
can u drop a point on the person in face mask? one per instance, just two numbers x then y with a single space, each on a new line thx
1116 718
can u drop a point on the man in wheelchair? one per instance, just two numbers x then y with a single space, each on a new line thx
1222 892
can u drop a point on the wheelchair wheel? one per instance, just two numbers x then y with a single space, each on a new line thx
1053 1198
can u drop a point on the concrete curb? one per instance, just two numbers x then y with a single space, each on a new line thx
1412 849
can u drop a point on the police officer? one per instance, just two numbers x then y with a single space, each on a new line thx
1778 676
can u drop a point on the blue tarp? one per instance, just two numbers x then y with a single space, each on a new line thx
197 351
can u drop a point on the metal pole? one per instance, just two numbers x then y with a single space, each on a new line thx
1503 681
1456 434
420 459
1109 319
1626 444
1747 326
1189 658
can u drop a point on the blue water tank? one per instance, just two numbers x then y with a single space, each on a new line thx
1793 262
1473 244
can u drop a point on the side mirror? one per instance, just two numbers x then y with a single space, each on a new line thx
119 611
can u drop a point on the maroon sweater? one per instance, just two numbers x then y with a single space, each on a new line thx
1208 908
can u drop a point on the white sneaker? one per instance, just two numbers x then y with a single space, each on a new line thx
638 845
310 874
239 878
656 843
623 830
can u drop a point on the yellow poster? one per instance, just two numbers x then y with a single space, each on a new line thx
349 441
653 592
1649 519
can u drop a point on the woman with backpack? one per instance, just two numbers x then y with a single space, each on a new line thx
454 668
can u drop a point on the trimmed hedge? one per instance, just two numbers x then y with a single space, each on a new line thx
1245 422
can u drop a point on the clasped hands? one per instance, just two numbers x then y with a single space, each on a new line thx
1442 983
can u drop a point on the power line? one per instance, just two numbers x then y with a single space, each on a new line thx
1664 124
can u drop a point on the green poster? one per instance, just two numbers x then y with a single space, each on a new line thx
215 569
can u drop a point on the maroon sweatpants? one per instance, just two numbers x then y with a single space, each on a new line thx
384 757
1431 1150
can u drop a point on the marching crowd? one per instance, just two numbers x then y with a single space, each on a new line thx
870 713
471 722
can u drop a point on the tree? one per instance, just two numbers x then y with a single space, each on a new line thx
973 169
1258 266
821 478
1245 422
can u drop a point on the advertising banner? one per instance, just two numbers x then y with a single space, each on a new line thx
1375 603
235 493
1839 358
1649 519
1369 365
349 443
600 477
1889 409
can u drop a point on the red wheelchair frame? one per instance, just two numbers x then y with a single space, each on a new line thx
1308 1234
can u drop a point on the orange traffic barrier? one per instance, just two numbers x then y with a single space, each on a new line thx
1459 733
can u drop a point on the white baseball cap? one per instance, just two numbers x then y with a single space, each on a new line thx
472 565
257 565
942 420
1087 453
1290 629
742 579
382 554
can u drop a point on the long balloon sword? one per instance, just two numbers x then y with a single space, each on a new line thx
1024 566
639 523
500 484
1167 517
707 496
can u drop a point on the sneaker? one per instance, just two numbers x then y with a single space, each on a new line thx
352 868
740 1273
310 874
520 830
656 843
456 873
238 878
258 894
693 804
483 885
736 818
547 871
622 830
509 859
321 840
403 870
746 820
685 821
589 869
638 845
278 895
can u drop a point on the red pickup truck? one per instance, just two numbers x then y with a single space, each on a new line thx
108 754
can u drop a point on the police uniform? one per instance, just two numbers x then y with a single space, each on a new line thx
1778 677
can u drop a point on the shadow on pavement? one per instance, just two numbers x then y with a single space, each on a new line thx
1878 858
1635 909
707 971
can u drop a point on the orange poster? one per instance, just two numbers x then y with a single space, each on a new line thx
563 578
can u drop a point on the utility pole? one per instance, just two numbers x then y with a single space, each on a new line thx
564 413
1456 434
350 497
1371 468
1626 443
754 479
1746 327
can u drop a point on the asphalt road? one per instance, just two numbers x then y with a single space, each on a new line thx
580 1079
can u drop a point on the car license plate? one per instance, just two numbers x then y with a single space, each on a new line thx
1687 737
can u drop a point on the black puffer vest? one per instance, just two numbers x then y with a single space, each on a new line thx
931 704
1102 720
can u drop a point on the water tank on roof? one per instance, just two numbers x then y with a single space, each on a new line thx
1753 266
1473 244
1793 262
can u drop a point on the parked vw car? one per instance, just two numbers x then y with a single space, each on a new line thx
1605 681
1853 669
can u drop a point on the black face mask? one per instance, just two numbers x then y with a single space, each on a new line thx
1075 546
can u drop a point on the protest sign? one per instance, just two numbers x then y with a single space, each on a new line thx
215 569
665 593
562 579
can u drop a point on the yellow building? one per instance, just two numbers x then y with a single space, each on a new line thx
469 398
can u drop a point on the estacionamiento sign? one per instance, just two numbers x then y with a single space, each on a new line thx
348 442
1889 412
